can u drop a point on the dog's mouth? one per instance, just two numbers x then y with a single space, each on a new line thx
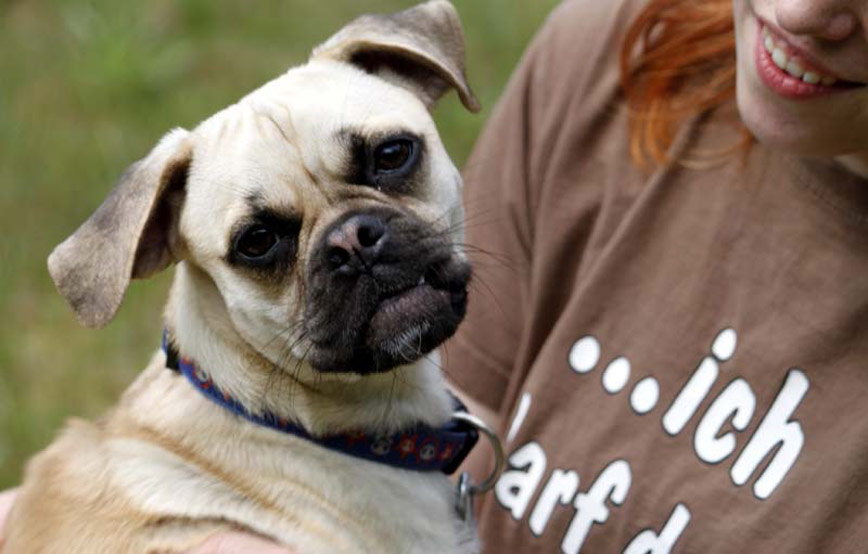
404 319
389 313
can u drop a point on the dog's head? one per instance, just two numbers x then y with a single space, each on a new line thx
322 208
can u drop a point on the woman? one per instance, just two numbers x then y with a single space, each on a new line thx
671 208
671 313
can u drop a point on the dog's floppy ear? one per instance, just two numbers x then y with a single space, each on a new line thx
129 236
421 48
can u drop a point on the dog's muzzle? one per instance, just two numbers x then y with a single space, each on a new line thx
384 289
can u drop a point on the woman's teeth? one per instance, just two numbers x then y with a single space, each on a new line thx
791 64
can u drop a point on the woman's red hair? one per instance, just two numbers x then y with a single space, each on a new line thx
678 60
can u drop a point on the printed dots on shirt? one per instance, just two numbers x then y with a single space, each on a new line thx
585 354
766 457
733 407
645 395
616 375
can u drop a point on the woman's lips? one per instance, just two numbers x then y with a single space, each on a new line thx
786 71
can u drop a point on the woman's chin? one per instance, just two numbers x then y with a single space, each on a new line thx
800 134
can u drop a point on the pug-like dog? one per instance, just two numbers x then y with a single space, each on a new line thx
315 226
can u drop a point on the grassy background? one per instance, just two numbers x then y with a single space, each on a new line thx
86 88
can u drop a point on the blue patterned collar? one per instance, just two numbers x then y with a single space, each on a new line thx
418 448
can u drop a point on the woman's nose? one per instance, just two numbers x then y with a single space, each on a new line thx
833 20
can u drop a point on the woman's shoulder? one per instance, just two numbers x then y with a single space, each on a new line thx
581 32
595 13
574 61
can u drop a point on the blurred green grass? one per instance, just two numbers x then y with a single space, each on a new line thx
86 88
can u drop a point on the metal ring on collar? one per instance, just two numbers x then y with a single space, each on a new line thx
499 459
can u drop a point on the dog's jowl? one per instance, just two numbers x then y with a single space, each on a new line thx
313 227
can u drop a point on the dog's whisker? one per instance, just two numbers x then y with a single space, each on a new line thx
275 374
294 375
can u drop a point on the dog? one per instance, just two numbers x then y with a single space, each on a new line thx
315 227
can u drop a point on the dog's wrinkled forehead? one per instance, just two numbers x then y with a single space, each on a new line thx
287 146
291 144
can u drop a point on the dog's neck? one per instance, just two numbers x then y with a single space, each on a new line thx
203 331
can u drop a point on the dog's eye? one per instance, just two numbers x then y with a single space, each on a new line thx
393 156
256 242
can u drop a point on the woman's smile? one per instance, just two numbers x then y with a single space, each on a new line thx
802 73
791 72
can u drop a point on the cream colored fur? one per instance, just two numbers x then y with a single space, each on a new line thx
167 468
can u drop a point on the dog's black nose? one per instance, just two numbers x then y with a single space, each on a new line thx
355 244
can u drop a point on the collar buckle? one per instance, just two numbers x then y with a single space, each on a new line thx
467 490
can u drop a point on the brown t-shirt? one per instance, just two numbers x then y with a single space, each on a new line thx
680 358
